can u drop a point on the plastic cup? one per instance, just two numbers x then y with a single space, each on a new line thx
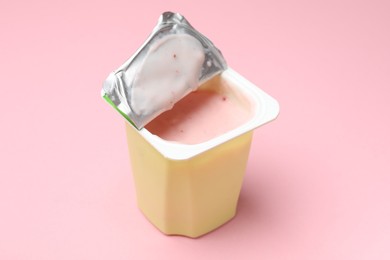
191 190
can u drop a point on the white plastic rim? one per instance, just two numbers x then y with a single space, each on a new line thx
265 109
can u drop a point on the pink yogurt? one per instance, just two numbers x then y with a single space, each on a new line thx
202 115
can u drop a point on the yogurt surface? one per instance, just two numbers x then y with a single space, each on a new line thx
203 114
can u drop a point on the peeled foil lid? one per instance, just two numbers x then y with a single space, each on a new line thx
175 60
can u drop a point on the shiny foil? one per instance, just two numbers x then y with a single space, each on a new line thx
117 88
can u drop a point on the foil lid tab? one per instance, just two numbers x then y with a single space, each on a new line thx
171 63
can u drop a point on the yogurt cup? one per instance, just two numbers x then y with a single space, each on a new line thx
191 190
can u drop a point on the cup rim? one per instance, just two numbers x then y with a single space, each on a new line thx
266 109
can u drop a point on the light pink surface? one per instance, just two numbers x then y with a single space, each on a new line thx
317 185
200 117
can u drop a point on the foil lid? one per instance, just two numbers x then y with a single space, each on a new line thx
172 62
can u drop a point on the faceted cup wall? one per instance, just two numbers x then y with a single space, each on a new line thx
188 197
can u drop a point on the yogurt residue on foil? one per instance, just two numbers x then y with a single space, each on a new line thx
179 58
175 60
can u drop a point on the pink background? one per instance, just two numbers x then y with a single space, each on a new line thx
318 178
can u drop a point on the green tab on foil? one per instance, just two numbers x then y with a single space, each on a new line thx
109 101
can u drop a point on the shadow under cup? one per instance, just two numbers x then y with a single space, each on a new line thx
191 189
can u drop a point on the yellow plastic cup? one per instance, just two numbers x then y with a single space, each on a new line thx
191 190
